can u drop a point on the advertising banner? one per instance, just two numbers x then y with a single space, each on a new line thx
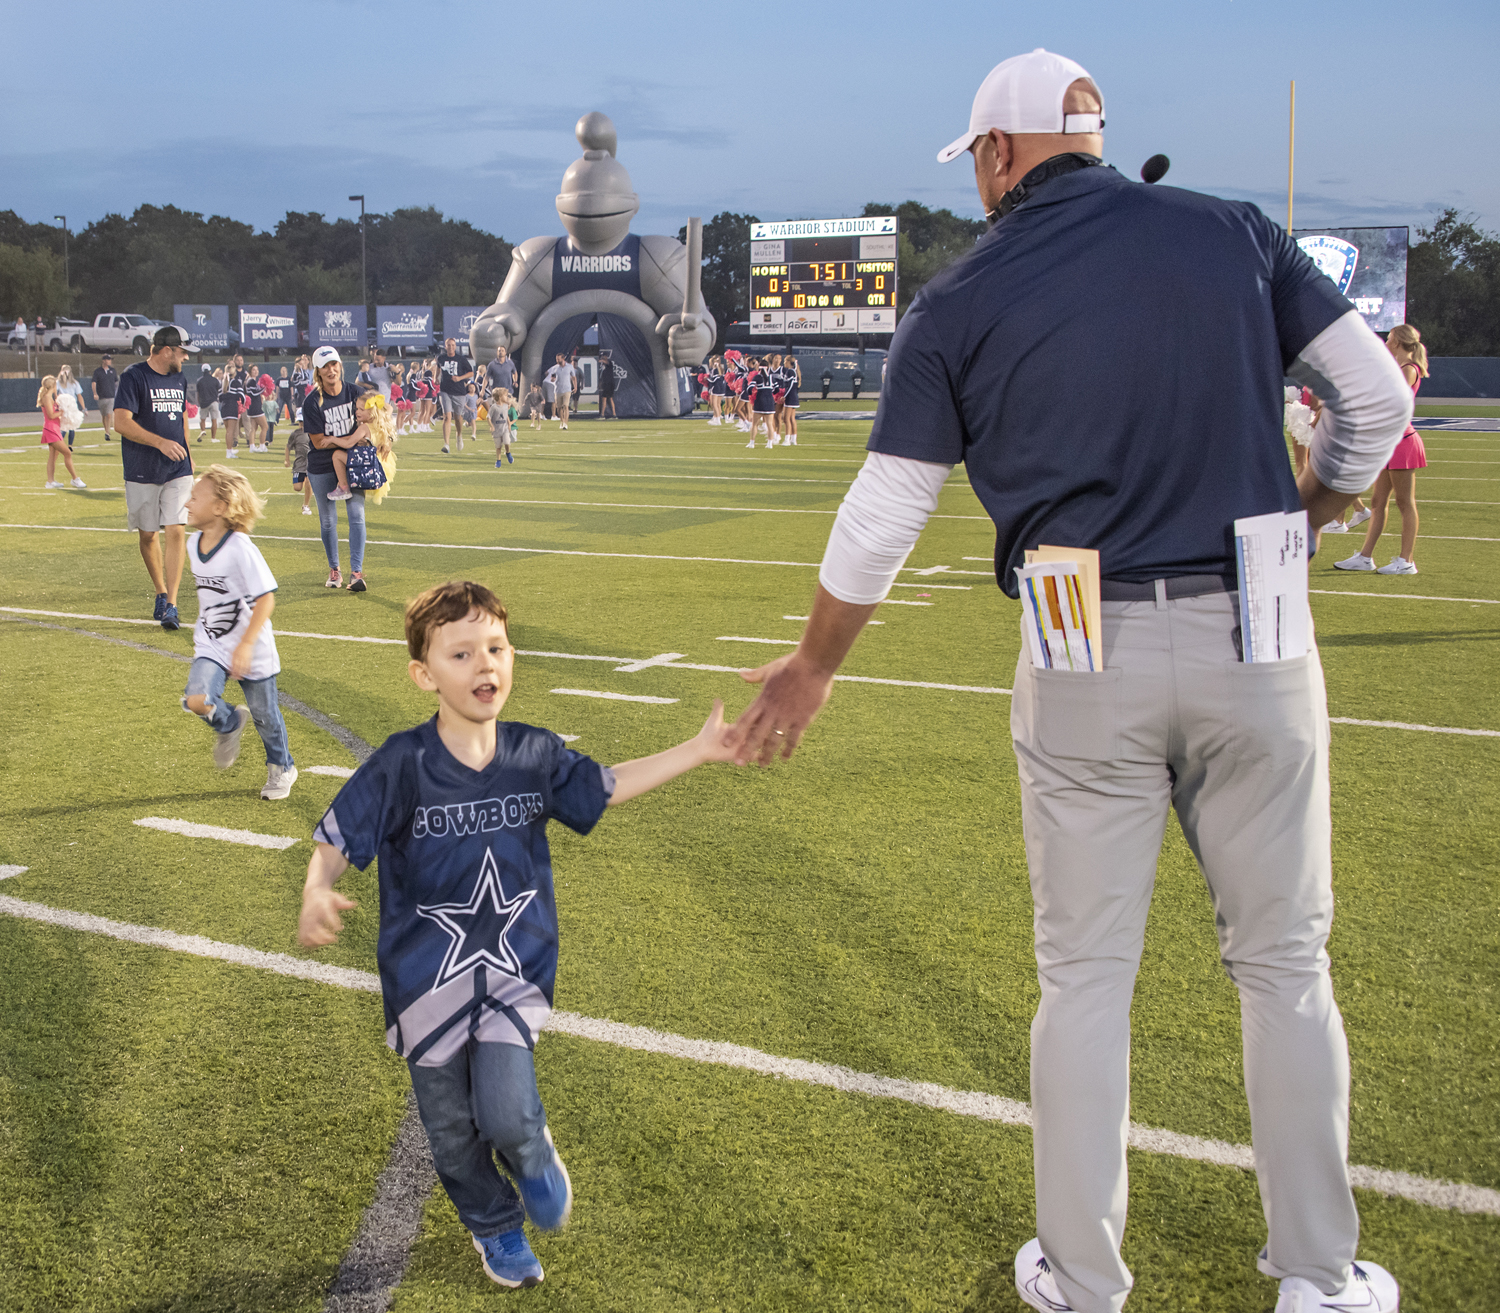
268 326
344 327
1368 265
459 321
403 325
771 322
207 324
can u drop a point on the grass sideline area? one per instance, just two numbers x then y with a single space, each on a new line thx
187 1134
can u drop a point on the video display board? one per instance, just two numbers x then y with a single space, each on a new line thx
824 275
1368 265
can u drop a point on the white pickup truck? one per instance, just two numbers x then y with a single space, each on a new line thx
111 332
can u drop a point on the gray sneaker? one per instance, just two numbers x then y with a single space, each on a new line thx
279 781
227 746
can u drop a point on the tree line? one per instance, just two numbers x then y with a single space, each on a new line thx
162 256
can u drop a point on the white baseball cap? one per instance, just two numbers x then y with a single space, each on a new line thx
1025 94
324 355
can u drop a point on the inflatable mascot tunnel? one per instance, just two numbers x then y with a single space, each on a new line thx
644 293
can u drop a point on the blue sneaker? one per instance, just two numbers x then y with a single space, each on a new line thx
508 1260
169 618
161 606
497 465
548 1198
511 460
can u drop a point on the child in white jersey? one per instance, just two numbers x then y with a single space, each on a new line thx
233 639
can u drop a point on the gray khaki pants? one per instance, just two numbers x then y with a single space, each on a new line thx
1241 751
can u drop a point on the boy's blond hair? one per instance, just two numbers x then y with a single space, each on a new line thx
243 506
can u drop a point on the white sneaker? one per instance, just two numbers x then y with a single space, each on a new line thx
279 781
307 510
1398 565
1360 517
227 746
749 446
1334 526
1370 1289
52 483
1038 1287
79 483
1355 562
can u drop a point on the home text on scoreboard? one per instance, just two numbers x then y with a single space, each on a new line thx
824 276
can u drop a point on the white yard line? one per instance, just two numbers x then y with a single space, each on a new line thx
1428 729
775 642
195 831
7 871
1456 1196
1405 597
614 697
338 772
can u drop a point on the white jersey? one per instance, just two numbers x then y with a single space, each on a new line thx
230 579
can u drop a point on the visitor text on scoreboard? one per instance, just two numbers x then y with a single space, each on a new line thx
823 276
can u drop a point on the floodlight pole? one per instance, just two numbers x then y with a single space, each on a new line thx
1291 153
63 219
364 278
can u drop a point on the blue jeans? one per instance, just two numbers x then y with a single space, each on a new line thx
207 679
328 521
480 1103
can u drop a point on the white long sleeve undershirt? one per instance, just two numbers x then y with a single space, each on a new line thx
878 524
1366 403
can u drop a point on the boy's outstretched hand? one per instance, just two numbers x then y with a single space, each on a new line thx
713 740
320 921
709 744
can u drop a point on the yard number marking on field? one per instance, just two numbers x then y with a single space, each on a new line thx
195 831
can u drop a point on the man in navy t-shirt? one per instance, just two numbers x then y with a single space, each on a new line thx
151 419
1107 363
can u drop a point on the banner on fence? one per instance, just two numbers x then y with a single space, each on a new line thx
268 327
459 321
403 325
1368 265
345 327
208 325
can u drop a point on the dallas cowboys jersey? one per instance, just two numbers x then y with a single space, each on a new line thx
468 922
230 579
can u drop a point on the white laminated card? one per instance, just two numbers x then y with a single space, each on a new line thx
1272 552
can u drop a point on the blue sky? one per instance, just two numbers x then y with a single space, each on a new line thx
782 110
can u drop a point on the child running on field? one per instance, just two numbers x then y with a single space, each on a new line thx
456 810
535 400
233 639
297 447
503 416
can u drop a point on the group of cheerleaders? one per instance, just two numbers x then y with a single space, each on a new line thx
749 391
414 395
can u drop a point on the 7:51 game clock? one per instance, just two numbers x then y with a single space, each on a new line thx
824 275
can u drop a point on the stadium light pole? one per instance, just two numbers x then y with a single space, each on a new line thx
364 278
1291 152
63 219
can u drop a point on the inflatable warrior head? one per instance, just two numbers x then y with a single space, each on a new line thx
643 291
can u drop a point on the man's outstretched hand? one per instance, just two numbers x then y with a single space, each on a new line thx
792 693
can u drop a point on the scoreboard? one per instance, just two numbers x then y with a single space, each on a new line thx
823 276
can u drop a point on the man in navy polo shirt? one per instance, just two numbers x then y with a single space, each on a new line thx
1107 363
151 419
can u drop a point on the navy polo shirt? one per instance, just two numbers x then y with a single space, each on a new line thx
1107 362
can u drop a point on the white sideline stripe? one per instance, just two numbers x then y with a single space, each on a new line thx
338 772
614 697
1456 1196
194 831
1406 597
1458 538
7 871
897 601
570 738
1401 724
774 642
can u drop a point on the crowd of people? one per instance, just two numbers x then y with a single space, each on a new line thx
755 393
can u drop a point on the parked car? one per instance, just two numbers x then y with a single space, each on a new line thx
108 332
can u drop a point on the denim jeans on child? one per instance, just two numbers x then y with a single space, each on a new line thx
483 1102
208 678
328 521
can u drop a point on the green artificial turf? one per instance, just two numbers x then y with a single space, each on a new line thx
865 904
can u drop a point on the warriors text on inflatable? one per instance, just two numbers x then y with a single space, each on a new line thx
643 292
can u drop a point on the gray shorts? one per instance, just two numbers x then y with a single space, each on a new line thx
210 411
153 506
106 409
452 405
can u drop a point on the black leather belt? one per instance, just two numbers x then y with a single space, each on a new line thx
1184 585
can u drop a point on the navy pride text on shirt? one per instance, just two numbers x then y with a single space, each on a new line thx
460 818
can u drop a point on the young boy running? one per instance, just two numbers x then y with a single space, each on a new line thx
456 810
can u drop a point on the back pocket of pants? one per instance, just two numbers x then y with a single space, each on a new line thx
1076 715
1279 708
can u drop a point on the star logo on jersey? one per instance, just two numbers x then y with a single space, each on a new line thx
478 927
